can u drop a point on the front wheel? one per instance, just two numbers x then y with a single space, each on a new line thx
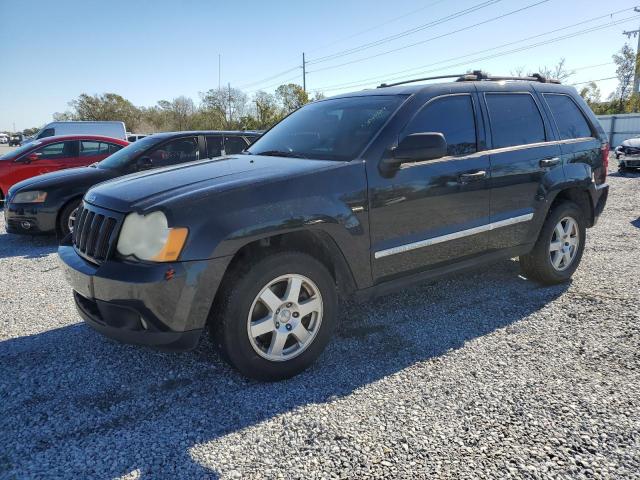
274 319
67 218
558 250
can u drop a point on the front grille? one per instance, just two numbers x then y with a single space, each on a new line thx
95 233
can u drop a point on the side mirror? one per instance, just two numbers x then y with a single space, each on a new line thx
32 157
144 163
418 147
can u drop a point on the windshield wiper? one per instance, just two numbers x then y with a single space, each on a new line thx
280 153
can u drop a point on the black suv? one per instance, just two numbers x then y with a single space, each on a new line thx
357 194
16 140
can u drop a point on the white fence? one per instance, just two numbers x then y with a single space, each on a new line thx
620 127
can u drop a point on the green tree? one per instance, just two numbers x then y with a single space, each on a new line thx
291 97
179 113
625 61
30 131
227 103
267 112
108 106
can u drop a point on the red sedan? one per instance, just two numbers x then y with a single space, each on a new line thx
54 153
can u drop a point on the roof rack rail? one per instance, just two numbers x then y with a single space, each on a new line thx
476 76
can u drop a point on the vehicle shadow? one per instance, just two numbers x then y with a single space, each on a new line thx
26 246
77 405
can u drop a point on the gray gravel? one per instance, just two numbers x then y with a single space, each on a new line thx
485 375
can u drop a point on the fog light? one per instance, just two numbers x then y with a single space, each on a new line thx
25 225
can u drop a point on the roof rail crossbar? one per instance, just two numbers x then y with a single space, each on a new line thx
476 76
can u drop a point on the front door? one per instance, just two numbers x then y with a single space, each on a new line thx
434 212
49 158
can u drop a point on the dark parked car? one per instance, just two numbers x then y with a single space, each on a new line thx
16 139
61 192
357 194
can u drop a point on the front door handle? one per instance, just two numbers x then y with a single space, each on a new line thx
472 177
550 162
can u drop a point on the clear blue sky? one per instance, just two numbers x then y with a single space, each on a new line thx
153 50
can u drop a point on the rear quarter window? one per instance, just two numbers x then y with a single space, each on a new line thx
569 118
515 119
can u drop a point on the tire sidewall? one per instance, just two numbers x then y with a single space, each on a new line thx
568 209
235 341
63 220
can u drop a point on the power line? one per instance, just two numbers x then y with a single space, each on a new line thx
431 39
589 81
405 33
367 30
268 79
282 82
395 75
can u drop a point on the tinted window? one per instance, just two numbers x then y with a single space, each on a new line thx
569 119
110 148
453 117
214 146
57 150
515 119
234 145
335 129
47 132
174 152
89 148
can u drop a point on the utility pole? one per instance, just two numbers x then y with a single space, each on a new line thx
219 70
229 103
304 73
636 74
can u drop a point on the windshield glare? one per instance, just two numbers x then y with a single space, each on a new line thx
13 154
337 129
123 158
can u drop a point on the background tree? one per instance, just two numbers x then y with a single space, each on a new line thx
558 71
291 97
108 106
227 103
625 61
267 112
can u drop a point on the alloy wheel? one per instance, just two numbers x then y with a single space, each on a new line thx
564 243
285 317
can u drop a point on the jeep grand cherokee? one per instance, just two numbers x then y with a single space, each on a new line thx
356 194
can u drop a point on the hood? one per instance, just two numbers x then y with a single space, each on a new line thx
63 178
632 142
141 191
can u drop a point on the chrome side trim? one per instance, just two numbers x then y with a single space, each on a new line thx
453 236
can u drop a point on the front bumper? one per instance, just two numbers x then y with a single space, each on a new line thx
29 218
164 306
629 161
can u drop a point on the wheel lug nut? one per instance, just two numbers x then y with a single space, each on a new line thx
296 314
288 327
277 324
289 305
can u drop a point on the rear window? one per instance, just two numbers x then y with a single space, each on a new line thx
515 119
568 116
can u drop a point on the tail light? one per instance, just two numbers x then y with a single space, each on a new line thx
600 173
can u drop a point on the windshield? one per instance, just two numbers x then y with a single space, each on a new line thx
123 158
13 154
336 129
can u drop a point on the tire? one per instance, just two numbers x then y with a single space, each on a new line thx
538 264
64 217
239 310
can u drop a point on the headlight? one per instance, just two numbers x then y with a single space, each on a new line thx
30 197
148 237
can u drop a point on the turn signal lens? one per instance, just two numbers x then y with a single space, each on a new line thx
173 245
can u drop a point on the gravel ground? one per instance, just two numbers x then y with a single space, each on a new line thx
484 376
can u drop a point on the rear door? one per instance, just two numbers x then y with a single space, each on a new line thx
92 151
523 151
579 142
433 212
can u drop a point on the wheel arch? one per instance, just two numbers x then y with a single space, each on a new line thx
578 195
74 198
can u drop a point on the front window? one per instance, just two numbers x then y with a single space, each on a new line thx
122 159
336 129
47 132
13 154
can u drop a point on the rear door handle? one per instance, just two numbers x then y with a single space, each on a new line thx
549 162
472 177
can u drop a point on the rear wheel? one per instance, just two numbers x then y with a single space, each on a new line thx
558 250
274 319
67 218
